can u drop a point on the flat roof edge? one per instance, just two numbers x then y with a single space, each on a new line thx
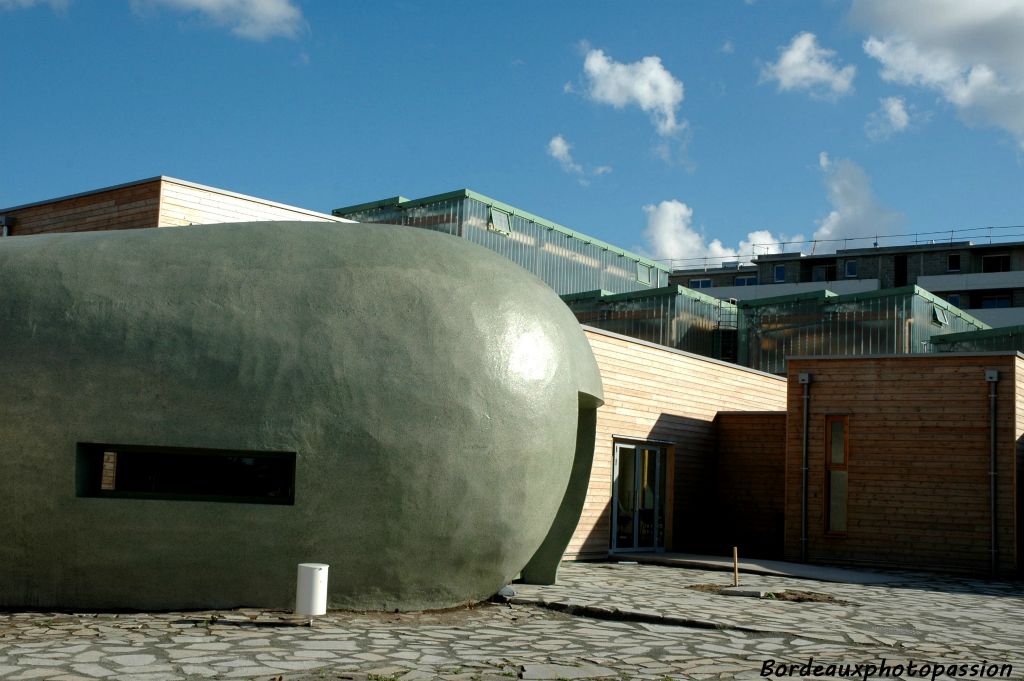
691 355
174 180
908 356
89 192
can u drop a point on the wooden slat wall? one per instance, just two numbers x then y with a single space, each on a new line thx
130 207
654 393
751 476
918 460
184 204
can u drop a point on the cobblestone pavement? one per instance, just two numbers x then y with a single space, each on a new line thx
600 621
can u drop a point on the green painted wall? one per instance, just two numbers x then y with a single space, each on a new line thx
430 388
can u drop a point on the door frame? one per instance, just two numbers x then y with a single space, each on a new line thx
665 452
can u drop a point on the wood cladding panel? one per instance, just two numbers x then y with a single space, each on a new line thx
750 479
131 207
654 393
185 204
918 437
160 202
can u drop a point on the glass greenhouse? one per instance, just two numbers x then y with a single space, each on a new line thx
568 261
887 322
1003 338
673 316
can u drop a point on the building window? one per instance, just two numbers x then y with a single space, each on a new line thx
851 269
185 474
954 299
746 280
700 283
780 274
995 263
837 476
499 222
953 262
939 316
995 302
643 273
823 273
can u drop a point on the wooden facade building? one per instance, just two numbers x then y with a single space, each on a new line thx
904 455
154 202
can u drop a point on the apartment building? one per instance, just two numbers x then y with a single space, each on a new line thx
986 280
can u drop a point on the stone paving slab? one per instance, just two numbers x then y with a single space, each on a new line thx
639 630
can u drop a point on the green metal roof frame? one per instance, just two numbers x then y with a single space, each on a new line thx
983 334
404 203
826 296
673 290
821 296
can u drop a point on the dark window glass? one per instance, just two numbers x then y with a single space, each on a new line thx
851 268
823 273
700 283
953 262
780 273
133 471
995 263
747 280
994 302
837 480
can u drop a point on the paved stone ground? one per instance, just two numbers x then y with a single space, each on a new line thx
600 621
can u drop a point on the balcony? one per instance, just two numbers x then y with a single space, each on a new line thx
943 283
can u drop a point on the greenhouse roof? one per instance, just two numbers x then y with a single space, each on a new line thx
404 203
674 290
999 332
826 296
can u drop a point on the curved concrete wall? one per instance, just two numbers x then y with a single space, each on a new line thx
429 388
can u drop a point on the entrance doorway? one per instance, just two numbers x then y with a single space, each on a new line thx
638 498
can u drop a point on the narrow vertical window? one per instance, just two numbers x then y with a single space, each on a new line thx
780 273
837 476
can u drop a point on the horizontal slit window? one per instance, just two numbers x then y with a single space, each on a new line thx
185 474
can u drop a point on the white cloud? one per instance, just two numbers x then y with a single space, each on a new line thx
670 235
970 53
891 117
254 19
22 4
856 213
727 47
645 83
560 150
802 65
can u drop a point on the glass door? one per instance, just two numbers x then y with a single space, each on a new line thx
638 498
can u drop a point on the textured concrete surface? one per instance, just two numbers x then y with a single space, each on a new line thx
430 388
641 634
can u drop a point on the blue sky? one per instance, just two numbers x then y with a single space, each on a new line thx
684 130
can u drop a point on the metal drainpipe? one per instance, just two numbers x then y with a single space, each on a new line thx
805 381
992 376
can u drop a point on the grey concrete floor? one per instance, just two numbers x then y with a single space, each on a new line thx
600 621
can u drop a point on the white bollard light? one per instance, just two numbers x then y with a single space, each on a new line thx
311 590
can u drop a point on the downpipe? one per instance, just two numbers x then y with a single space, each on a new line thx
805 381
992 376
